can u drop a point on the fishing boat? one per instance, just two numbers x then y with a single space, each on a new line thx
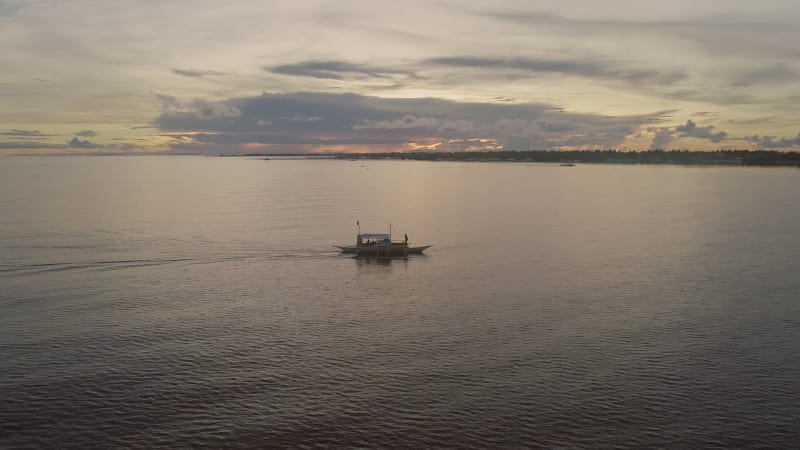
381 245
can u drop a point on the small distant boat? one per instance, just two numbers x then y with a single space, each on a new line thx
567 165
380 245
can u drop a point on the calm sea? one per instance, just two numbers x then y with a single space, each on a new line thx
190 302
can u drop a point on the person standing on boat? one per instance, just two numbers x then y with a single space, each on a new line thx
406 236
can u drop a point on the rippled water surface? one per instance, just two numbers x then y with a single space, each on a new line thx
173 302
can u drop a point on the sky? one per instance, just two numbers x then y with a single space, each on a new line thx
256 76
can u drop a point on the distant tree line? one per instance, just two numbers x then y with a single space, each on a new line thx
719 157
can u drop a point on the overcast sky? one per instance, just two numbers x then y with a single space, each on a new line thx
202 76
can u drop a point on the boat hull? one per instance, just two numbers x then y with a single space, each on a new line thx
372 251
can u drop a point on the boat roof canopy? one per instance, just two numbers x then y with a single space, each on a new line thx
376 236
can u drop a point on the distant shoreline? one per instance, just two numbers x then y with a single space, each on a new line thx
745 158
690 158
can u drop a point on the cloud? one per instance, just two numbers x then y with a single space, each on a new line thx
469 145
366 123
755 120
704 114
606 70
8 8
556 126
335 70
125 147
28 145
662 136
197 73
709 95
168 102
86 133
78 143
690 129
773 142
25 133
171 104
300 118
777 74
720 35
736 58
411 122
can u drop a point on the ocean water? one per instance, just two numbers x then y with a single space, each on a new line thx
191 302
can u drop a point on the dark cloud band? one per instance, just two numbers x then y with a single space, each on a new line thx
319 120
